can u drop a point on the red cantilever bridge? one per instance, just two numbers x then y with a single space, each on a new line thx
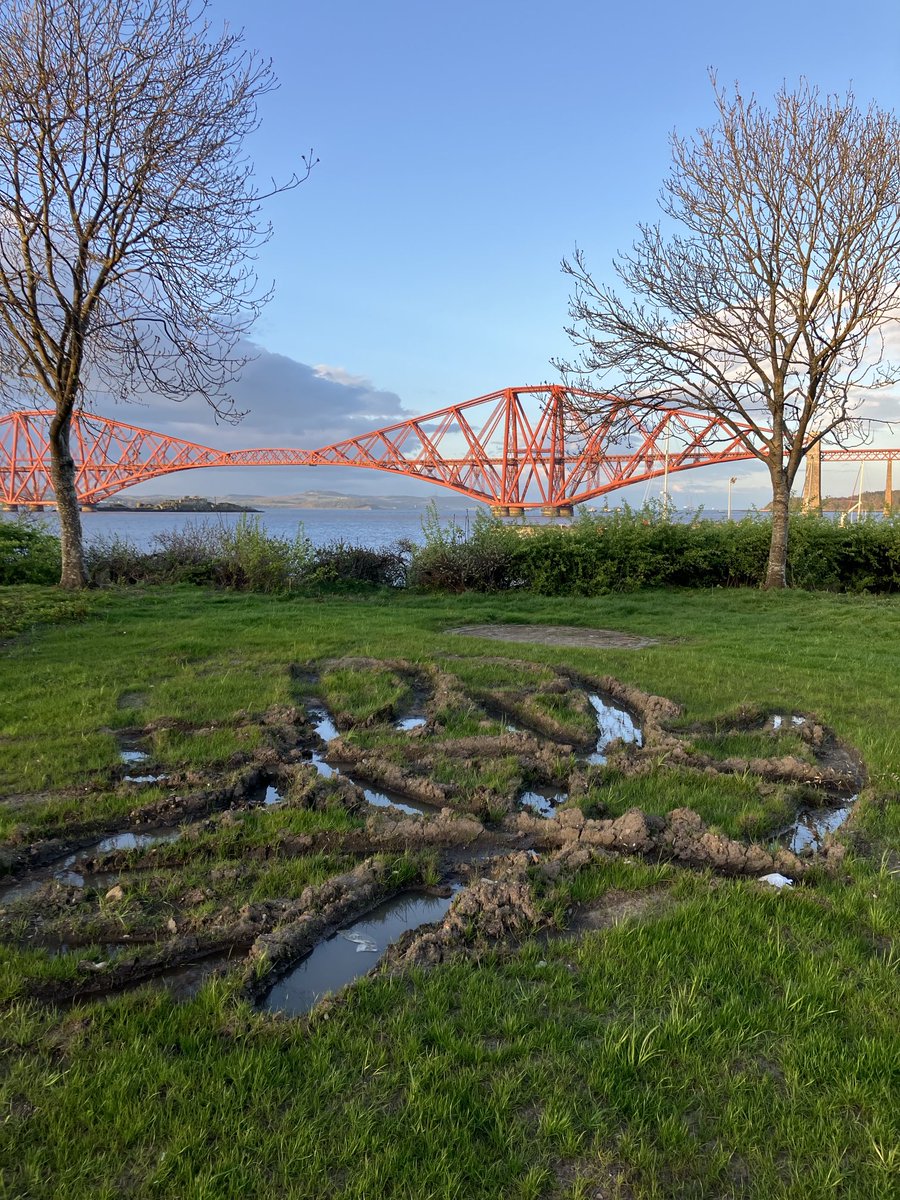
529 447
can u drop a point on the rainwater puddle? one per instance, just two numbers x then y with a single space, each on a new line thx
325 769
544 800
123 841
408 723
392 800
20 891
183 983
65 871
265 793
779 719
376 798
133 756
811 827
144 778
323 724
612 723
352 952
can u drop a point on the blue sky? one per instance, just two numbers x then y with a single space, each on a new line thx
465 148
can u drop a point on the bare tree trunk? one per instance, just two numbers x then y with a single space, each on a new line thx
776 573
62 472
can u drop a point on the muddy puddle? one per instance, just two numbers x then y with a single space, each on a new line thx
612 723
132 757
542 800
266 794
378 799
323 724
780 721
352 952
328 732
68 871
393 800
405 724
813 825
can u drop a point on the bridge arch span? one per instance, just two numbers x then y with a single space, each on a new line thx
527 447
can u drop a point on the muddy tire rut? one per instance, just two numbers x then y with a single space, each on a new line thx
442 743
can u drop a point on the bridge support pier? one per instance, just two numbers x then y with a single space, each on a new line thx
812 484
557 510
499 510
9 507
517 510
889 488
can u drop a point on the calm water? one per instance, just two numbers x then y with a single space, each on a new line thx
321 525
373 528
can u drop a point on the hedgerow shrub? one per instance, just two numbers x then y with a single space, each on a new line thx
28 553
623 549
344 565
244 557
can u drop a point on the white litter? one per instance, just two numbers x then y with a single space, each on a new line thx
364 945
776 880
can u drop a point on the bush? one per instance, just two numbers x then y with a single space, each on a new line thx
256 561
340 564
624 549
243 557
487 561
29 553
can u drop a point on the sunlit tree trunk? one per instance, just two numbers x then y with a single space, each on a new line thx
776 572
129 215
62 472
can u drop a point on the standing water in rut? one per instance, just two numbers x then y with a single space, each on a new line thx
352 952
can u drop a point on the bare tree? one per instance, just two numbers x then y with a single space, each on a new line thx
767 306
128 213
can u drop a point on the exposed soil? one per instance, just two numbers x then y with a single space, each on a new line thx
158 912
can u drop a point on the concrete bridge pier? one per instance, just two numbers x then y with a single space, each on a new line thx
812 484
889 488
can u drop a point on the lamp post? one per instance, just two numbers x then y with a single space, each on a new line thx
732 480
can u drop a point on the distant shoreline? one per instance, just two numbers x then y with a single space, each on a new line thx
314 501
178 506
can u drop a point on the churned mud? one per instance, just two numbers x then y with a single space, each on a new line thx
396 815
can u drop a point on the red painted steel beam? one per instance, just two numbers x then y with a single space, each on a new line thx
521 446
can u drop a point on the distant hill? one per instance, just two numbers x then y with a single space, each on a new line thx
311 499
872 502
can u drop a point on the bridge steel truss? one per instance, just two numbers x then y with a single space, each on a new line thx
529 447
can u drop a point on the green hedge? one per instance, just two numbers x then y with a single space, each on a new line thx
28 553
615 550
621 550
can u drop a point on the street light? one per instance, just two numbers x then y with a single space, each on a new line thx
732 480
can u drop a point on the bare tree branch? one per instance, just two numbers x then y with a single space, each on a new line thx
767 308
129 216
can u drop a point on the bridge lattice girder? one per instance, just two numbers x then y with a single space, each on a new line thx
528 446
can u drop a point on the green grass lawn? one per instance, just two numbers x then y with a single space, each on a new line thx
732 1042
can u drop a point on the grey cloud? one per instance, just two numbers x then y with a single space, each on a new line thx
287 403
